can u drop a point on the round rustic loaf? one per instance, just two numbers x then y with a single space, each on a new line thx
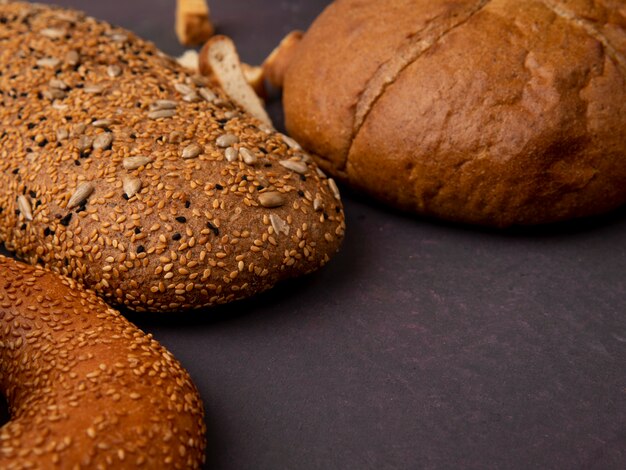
86 388
122 171
498 112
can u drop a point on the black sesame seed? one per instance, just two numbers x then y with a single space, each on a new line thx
219 187
301 193
176 237
260 187
125 196
65 221
187 204
303 177
244 177
16 171
215 230
141 249
23 227
181 219
137 230
32 194
31 125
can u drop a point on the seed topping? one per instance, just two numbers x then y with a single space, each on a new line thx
271 199
134 163
81 195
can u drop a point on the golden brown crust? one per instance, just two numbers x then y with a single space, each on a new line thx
87 389
193 22
175 174
489 112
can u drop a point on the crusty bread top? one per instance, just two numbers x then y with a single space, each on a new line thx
86 388
495 112
182 200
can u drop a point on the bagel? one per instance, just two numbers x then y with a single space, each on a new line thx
497 113
120 169
86 388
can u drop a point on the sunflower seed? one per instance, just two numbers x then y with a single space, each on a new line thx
60 84
265 128
163 104
81 195
131 186
72 58
59 106
226 140
231 154
207 94
191 98
84 142
48 62
52 33
297 167
93 89
292 144
248 157
133 163
162 114
318 204
320 173
334 189
191 151
114 71
279 225
103 123
183 89
62 134
103 141
53 94
271 199
23 204
119 37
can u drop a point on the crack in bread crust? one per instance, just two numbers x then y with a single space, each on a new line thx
406 55
568 15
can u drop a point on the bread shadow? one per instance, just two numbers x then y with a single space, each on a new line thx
565 229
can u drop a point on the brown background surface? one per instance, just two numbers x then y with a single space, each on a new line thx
422 345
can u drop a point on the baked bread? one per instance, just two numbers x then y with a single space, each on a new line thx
121 170
219 60
86 388
497 112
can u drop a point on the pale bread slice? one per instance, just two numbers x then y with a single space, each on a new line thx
220 61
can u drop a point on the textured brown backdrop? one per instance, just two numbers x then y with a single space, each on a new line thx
423 345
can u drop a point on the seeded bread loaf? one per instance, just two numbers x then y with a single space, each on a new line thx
121 170
493 112
87 389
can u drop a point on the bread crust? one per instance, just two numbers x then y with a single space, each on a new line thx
174 218
487 112
86 388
